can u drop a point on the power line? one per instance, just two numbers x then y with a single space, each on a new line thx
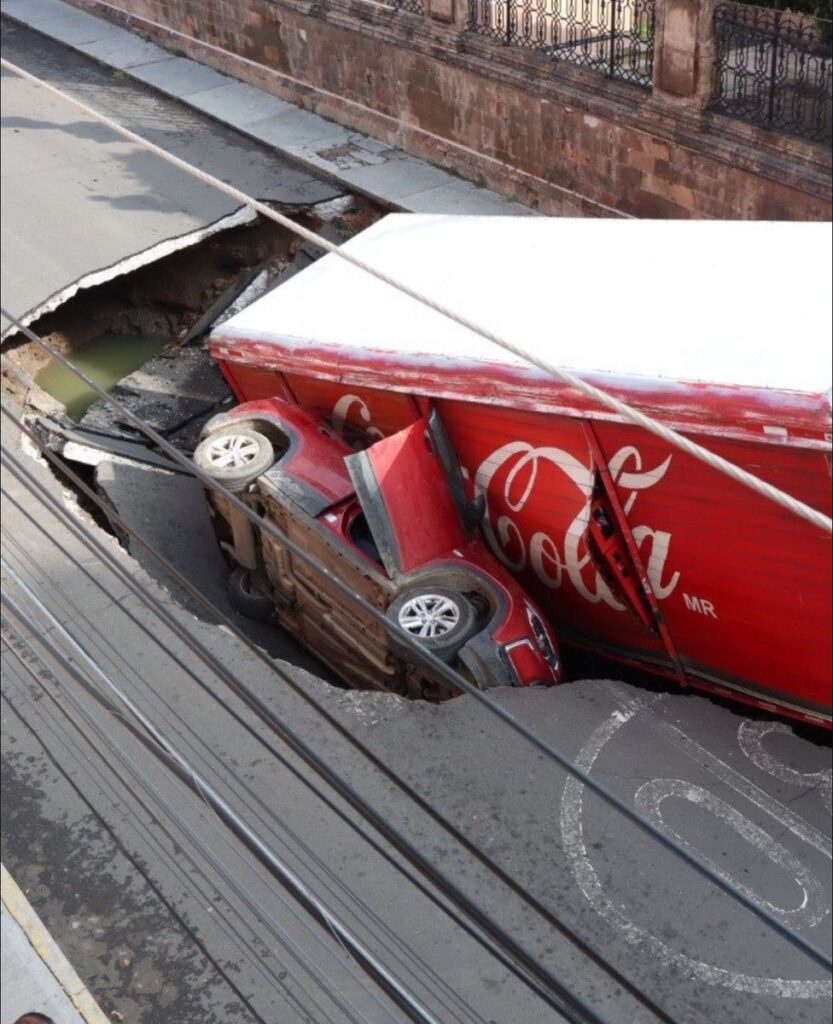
398 865
270 974
441 667
544 982
582 945
127 711
628 412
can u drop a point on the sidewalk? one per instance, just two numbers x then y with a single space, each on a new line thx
36 976
356 161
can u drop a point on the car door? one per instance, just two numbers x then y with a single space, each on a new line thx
411 490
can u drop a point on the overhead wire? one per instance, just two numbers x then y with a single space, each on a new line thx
441 668
82 534
266 714
547 985
271 974
596 394
268 919
55 760
141 726
581 944
823 522
408 956
152 805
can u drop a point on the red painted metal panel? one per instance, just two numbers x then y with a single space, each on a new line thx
358 414
315 456
249 383
537 474
742 586
421 513
702 408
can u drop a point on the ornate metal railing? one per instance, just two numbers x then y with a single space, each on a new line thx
613 37
412 6
775 68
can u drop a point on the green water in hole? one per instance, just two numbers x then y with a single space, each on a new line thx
105 359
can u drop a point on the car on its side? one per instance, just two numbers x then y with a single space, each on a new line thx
393 523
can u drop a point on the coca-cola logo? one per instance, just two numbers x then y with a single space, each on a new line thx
353 405
509 479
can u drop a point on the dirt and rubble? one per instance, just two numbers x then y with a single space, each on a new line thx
169 297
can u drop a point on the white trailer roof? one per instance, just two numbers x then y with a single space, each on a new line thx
741 303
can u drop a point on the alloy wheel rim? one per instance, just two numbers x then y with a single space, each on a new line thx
232 451
429 615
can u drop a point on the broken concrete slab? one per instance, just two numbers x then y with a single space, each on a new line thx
170 513
152 208
170 391
232 298
257 284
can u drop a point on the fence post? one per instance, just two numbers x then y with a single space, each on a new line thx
773 71
685 52
613 5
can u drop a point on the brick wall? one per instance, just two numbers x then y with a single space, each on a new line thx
558 137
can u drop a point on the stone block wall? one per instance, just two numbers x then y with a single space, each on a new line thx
560 138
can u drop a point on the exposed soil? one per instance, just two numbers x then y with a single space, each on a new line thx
166 298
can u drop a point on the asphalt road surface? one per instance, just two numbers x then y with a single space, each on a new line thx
167 917
109 202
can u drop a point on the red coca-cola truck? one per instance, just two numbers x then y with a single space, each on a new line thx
719 330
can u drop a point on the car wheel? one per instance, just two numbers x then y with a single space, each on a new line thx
440 620
245 599
234 458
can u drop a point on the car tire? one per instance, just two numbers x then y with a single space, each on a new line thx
246 600
450 616
234 458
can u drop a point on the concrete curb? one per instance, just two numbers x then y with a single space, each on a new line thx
356 162
48 951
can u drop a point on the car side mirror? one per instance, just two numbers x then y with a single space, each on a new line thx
473 515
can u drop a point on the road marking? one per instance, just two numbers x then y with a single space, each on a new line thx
811 910
751 737
743 786
572 832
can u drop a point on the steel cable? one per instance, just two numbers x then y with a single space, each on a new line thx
546 985
441 668
582 945
269 921
628 412
138 775
391 938
255 957
126 711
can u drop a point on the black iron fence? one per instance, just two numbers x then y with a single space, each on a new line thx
412 6
775 68
613 37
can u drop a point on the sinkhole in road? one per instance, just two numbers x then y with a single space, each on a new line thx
106 359
143 336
